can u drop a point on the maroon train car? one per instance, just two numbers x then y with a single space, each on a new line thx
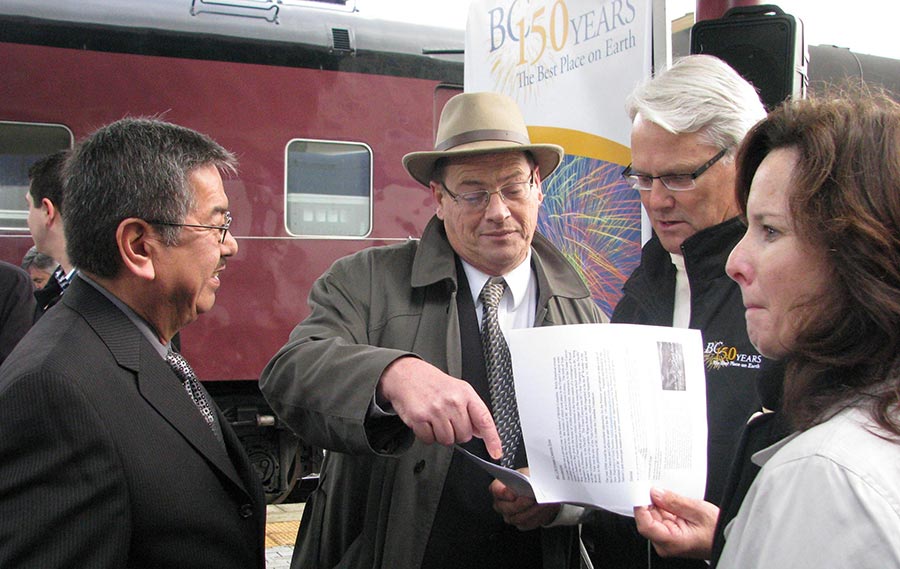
319 101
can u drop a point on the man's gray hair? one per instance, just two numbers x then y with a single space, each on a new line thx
699 93
134 167
38 260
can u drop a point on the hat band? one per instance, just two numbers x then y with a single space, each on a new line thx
481 135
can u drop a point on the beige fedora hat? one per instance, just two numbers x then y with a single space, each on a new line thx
480 123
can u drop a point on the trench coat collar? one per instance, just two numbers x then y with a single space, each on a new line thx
435 262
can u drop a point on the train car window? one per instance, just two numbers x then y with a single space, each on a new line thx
328 189
21 145
442 93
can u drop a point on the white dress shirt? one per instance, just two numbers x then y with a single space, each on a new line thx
519 301
681 318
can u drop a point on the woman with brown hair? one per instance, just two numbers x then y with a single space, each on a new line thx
819 270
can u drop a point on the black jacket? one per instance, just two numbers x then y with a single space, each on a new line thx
16 306
765 428
48 296
732 364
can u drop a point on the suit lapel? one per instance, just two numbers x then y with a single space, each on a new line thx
164 391
156 381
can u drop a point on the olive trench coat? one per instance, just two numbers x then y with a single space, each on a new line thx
379 488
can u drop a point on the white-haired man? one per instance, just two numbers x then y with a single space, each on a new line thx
687 123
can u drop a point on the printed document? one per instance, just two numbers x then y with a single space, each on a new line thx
607 411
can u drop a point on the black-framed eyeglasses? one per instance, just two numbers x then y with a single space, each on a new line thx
515 193
674 182
223 228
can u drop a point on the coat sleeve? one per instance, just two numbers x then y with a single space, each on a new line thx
63 500
322 382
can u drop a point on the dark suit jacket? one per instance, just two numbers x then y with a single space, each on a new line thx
48 296
104 460
16 306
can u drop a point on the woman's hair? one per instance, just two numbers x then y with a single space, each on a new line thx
845 203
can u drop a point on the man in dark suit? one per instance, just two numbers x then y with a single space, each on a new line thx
109 457
45 195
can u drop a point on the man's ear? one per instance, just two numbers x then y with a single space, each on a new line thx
136 248
539 184
439 197
52 211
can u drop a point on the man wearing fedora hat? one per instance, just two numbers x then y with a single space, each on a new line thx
401 351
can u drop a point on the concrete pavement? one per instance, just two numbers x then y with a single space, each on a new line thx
282 521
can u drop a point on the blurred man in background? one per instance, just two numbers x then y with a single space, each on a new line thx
45 198
39 266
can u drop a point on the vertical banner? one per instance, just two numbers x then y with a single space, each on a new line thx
570 64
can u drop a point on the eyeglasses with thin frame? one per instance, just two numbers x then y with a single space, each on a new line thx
515 193
674 182
223 228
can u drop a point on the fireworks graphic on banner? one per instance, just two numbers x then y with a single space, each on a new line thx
595 220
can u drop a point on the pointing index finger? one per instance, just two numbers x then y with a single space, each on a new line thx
483 427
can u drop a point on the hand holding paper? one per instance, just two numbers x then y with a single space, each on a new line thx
678 526
520 510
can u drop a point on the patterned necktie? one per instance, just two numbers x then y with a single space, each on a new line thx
192 385
60 275
499 370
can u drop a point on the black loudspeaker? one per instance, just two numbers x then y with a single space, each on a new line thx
763 44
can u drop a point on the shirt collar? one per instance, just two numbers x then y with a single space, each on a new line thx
517 280
760 458
70 275
141 324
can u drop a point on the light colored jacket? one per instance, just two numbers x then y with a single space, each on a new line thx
828 497
379 488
